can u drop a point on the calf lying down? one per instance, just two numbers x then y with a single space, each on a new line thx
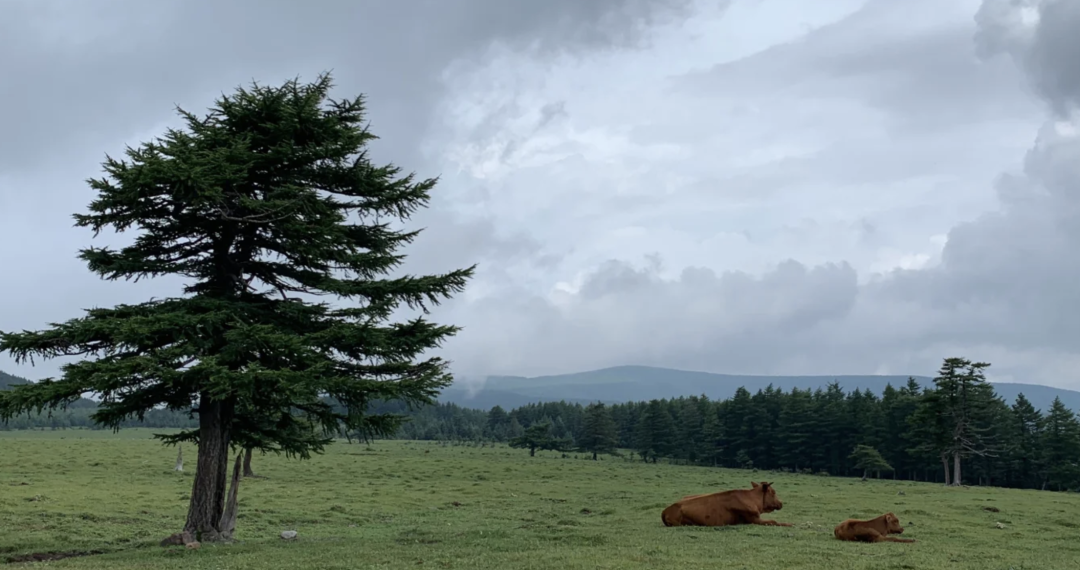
873 530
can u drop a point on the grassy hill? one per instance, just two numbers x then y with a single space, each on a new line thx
635 383
404 505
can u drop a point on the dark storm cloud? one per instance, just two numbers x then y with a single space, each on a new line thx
77 71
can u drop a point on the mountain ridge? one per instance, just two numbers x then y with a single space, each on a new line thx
627 383
639 383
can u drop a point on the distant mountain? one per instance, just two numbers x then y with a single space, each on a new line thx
636 383
7 380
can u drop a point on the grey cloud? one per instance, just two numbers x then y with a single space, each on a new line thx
1008 279
1057 42
81 78
151 55
926 81
1005 286
623 314
1040 50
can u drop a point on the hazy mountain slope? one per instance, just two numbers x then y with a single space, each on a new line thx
636 383
633 383
7 380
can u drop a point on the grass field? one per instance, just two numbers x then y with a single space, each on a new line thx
423 505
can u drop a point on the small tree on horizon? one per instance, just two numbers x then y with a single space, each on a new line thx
538 437
264 205
869 459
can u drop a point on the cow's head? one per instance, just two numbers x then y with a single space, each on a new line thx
892 524
770 502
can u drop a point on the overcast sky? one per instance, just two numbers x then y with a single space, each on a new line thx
754 186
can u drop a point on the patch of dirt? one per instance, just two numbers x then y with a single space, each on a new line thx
50 556
992 509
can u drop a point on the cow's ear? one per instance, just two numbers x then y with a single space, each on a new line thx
755 484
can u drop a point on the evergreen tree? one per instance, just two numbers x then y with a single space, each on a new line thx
869 459
834 429
497 419
655 436
761 426
688 429
514 429
929 430
896 406
964 396
265 202
598 434
734 414
1027 424
712 436
538 436
795 430
1061 442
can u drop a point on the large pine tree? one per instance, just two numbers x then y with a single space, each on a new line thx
263 204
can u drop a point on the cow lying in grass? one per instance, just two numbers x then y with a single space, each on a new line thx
739 506
873 530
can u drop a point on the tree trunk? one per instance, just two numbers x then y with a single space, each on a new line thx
945 463
227 525
865 472
208 491
179 458
532 452
247 464
956 470
594 456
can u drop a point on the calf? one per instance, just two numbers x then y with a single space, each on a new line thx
873 530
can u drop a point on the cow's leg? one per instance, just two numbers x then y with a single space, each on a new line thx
894 539
868 535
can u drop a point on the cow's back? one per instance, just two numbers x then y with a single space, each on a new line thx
857 530
713 509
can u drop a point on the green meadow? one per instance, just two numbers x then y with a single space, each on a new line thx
397 504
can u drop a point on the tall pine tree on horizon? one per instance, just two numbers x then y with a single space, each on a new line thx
1061 442
264 205
598 434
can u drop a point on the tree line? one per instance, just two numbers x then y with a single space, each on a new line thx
955 431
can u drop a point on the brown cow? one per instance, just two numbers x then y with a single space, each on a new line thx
873 530
739 506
